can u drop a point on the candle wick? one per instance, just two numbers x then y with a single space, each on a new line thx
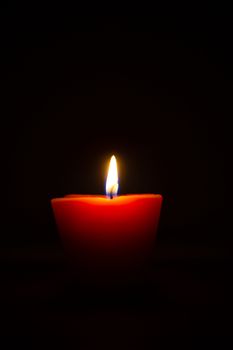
111 195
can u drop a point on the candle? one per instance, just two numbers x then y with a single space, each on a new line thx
108 230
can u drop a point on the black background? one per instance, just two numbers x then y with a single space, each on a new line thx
156 91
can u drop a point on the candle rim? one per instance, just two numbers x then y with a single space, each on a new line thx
105 199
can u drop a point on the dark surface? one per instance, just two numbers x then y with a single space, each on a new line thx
177 296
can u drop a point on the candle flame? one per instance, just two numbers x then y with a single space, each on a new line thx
112 178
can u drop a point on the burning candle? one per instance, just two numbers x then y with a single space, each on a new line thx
108 230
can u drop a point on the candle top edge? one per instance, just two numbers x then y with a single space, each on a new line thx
87 197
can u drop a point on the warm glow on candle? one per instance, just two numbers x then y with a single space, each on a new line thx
108 237
112 178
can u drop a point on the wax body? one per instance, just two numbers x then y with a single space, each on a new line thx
98 231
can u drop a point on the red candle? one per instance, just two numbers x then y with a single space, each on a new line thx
108 230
